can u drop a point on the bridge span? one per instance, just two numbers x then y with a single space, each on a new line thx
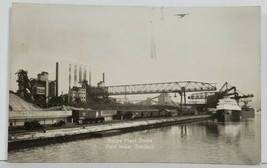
167 87
150 88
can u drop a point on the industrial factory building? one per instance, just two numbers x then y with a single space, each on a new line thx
82 90
77 94
38 90
44 92
42 87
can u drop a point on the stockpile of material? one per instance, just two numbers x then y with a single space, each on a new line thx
18 104
59 108
62 108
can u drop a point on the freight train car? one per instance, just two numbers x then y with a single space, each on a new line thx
137 114
86 116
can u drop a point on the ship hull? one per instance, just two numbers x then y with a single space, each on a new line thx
248 114
228 115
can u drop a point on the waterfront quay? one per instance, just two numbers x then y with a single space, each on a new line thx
24 139
205 141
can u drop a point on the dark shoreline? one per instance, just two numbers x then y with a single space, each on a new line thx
16 145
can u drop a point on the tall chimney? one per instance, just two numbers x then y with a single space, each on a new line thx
69 93
84 73
57 79
103 77
75 74
90 78
80 74
70 76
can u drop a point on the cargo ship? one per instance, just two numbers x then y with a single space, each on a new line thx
247 111
228 110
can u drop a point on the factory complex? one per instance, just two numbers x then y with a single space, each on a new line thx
87 104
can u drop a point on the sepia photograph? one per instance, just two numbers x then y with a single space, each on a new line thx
132 84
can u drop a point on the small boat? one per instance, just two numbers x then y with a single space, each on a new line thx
228 110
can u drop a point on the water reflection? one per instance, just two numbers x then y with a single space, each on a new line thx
197 142
183 130
212 129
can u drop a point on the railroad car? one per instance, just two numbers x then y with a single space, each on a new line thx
86 116
137 114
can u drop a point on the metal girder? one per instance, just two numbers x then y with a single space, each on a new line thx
203 95
169 87
226 90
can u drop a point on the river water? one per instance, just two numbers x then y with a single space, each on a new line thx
197 142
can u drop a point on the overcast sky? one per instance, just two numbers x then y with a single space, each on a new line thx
139 44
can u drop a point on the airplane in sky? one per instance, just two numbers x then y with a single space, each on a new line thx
181 15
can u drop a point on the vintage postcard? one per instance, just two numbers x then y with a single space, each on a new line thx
114 84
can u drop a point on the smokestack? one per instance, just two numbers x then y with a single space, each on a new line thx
80 74
103 77
46 90
84 73
75 74
70 76
57 79
90 78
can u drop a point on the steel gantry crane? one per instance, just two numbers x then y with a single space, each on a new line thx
169 87
226 90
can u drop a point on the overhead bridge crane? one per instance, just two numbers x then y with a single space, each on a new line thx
212 97
169 87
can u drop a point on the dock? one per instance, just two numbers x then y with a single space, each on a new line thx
107 133
39 138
